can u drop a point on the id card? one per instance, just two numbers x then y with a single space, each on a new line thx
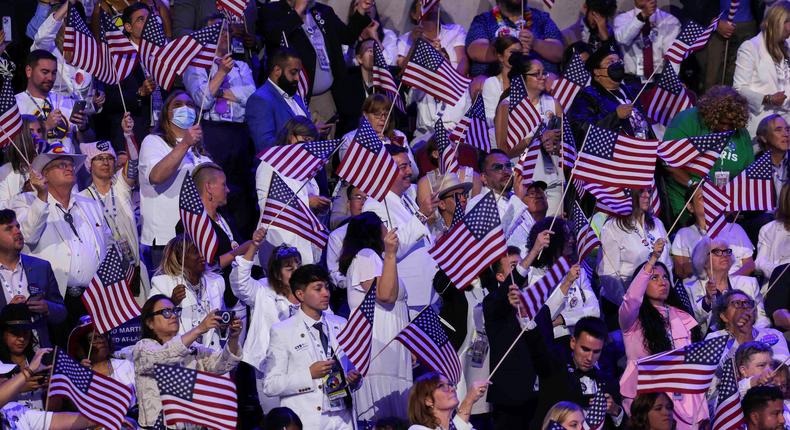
335 385
721 178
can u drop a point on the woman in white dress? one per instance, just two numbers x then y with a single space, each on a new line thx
389 377
270 299
773 246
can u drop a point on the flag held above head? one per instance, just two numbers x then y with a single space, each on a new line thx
197 224
429 71
367 164
10 119
427 340
197 49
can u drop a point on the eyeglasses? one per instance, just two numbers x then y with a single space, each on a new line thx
498 167
168 313
359 197
741 304
446 386
63 165
377 115
719 252
460 194
542 74
104 159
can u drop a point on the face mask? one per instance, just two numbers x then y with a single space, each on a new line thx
616 71
183 117
287 86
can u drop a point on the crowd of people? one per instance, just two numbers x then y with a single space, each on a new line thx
98 167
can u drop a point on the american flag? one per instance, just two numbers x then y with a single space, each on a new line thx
554 425
472 128
383 79
426 339
233 7
614 159
574 78
471 245
586 239
668 97
734 4
522 117
120 51
426 5
595 415
10 120
688 369
108 299
197 223
299 161
448 151
430 72
534 296
356 338
367 164
683 295
728 414
99 398
458 212
87 53
568 151
753 189
692 37
284 210
549 3
715 203
529 158
152 40
197 49
196 397
696 154
609 200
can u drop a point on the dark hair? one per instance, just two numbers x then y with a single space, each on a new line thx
126 16
307 274
720 306
654 330
280 58
482 166
84 344
757 398
7 216
745 351
364 231
24 143
350 190
593 326
5 352
296 126
641 406
607 8
393 423
561 230
203 172
580 47
395 149
147 314
280 418
280 255
164 130
520 65
496 266
37 55
628 222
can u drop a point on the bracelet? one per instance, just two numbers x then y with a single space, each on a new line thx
26 373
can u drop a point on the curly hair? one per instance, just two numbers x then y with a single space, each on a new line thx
723 106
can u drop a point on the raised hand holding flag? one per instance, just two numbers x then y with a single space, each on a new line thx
367 164
472 128
430 72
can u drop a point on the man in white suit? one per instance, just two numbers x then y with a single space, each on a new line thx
416 268
304 366
62 227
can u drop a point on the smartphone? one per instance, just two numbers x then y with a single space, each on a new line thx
79 107
46 360
7 28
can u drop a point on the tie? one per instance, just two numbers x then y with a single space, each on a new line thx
324 340
647 50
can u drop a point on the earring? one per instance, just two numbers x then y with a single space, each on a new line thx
211 197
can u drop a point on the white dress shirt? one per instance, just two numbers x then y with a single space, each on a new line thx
239 81
773 248
578 303
688 237
29 105
628 32
292 103
11 183
14 281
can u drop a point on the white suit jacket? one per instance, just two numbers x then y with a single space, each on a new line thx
287 366
44 233
755 77
416 267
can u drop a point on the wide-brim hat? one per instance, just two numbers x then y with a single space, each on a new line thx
16 316
451 182
54 152
77 334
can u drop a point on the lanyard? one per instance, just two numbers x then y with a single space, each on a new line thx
111 218
201 305
10 288
41 109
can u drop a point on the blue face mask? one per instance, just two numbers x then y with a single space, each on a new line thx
183 117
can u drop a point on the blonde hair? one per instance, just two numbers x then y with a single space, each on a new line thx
773 27
559 413
172 256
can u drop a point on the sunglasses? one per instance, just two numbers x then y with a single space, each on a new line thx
168 313
498 167
721 252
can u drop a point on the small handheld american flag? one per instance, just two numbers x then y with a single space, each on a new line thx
534 296
356 338
595 415
668 98
108 298
472 244
426 339
573 79
87 53
448 151
714 202
696 154
152 41
99 398
300 161
728 414
367 164
529 158
197 223
233 7
692 38
10 120
522 118
472 128
430 72
196 397
753 189
586 239
688 369
609 200
122 54
383 79
197 49
286 211
616 160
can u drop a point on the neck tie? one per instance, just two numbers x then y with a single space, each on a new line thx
647 50
324 340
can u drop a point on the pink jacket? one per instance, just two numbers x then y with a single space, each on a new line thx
681 323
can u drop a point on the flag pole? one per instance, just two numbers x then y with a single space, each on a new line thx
120 91
397 95
724 65
684 207
655 69
567 185
771 285
208 73
501 360
90 348
51 371
605 255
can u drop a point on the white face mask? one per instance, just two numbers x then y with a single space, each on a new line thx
183 117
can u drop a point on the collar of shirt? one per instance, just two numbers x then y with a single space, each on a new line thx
15 269
51 200
308 319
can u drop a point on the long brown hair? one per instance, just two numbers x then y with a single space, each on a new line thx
773 27
423 388
783 208
628 222
640 407
25 144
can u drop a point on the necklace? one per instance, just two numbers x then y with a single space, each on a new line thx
504 29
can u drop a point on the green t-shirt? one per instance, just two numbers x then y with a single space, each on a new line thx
735 157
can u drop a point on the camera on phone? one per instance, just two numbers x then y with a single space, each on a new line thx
225 317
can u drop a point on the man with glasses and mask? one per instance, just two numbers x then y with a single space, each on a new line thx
63 227
416 267
609 102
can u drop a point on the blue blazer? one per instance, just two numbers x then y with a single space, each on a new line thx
267 113
39 272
